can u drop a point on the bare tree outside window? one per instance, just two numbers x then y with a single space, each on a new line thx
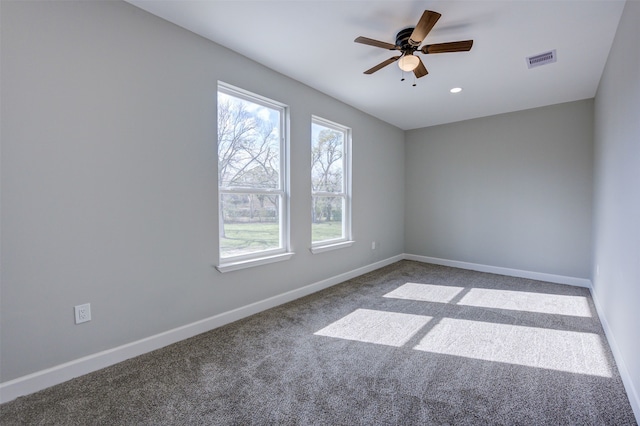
328 179
249 174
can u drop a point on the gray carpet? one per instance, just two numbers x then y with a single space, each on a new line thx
410 343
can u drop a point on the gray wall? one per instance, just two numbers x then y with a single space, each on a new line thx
616 266
109 181
512 190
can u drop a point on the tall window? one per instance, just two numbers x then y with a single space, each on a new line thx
252 183
330 177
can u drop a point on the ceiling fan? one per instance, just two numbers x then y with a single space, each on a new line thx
408 42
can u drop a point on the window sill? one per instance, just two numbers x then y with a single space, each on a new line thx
329 247
243 264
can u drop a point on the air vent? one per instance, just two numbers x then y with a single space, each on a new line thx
541 59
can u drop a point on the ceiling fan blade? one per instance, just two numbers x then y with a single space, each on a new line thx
425 24
454 46
382 65
420 70
375 43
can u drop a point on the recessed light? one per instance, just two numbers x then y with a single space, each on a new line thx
456 90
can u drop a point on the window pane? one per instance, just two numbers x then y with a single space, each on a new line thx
248 144
327 218
250 223
327 151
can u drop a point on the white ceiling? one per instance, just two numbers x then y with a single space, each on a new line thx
312 42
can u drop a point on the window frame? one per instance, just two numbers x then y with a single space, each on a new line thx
283 252
346 240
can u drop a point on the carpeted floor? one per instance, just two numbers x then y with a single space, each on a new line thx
407 344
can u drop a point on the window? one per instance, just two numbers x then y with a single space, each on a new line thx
252 179
331 185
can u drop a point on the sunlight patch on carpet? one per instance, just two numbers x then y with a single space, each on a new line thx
425 292
545 303
569 351
370 326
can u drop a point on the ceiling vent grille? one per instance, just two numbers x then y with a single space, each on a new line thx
541 59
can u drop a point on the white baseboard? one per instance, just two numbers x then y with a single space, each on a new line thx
52 376
540 276
632 392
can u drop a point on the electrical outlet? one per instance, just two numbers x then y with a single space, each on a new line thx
83 313
373 245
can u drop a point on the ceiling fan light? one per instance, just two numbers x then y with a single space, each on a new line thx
408 63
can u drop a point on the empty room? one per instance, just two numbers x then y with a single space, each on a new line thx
319 212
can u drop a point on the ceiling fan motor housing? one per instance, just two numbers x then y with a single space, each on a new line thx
404 42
